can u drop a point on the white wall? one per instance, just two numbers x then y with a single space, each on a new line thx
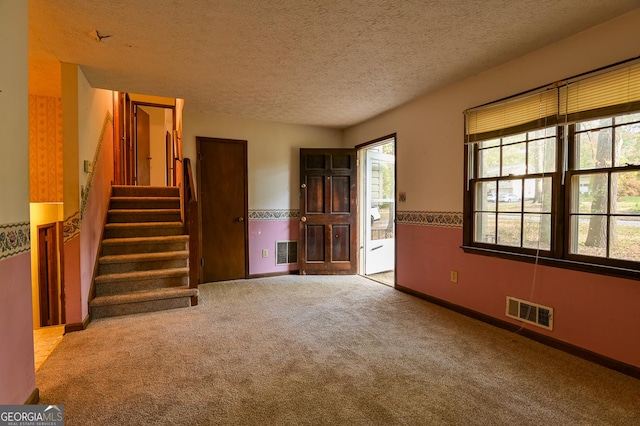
273 152
430 130
14 117
93 105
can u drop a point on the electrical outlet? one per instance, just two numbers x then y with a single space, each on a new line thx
454 276
265 253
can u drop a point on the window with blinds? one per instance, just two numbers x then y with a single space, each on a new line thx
555 172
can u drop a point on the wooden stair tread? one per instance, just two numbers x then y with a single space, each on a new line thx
146 211
145 275
144 224
146 240
144 295
144 257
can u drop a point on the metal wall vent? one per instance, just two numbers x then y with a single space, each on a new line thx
286 252
531 313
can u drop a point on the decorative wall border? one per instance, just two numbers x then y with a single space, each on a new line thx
71 226
274 214
84 196
15 238
442 219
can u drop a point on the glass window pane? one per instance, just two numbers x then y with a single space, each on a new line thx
490 143
514 159
542 133
537 231
514 139
627 144
509 229
625 238
509 195
589 235
625 188
594 149
589 193
485 228
629 118
593 124
542 156
486 196
538 194
489 161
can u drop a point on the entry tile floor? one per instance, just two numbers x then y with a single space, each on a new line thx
45 340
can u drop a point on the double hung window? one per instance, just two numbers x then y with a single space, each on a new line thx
555 173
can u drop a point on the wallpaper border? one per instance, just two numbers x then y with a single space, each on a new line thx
274 214
84 196
15 238
71 226
441 219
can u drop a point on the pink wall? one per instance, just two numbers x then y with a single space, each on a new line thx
17 370
72 292
94 214
263 234
595 312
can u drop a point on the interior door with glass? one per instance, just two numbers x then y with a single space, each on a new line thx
379 207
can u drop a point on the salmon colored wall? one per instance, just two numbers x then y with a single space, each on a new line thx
73 306
17 369
595 312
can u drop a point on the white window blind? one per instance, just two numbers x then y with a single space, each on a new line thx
608 92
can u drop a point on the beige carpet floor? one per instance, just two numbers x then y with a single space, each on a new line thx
323 351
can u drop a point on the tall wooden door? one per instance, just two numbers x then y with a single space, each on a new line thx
222 191
328 217
143 143
51 309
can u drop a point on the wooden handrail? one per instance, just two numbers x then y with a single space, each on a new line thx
190 205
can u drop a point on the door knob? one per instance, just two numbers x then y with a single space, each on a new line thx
303 186
241 219
303 219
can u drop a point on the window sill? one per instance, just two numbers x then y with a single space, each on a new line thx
558 263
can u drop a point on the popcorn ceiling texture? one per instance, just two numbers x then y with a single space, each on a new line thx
324 62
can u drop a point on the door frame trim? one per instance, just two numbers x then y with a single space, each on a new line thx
359 149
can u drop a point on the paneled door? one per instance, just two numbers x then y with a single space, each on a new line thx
328 217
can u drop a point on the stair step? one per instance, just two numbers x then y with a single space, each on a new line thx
142 262
144 215
142 301
145 191
116 246
141 280
145 203
142 229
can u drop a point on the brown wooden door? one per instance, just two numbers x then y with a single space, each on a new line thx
222 191
48 283
328 218
143 143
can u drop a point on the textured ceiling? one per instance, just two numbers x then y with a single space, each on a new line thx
322 62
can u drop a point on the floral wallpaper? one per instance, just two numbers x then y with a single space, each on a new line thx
14 239
45 149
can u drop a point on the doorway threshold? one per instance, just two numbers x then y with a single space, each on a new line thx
386 278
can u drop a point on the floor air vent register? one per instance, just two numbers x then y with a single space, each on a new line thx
531 313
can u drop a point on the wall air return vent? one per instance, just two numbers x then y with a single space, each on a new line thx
531 313
286 252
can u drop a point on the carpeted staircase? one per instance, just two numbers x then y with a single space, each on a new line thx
143 265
